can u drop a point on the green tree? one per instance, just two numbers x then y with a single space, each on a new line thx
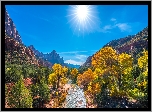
20 96
13 73
40 93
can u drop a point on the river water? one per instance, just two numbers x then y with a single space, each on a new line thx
75 98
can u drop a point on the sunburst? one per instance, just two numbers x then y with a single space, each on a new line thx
83 18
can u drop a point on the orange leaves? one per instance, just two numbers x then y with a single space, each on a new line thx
74 71
85 78
94 88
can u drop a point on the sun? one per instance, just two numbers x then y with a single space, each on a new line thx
82 12
83 18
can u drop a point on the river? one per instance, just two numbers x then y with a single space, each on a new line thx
75 97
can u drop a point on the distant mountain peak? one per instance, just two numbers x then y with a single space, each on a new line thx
53 51
52 57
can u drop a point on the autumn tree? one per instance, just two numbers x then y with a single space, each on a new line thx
74 73
142 79
104 58
140 92
113 69
125 78
85 78
104 62
58 74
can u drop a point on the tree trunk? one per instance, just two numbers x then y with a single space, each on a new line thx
58 82
119 79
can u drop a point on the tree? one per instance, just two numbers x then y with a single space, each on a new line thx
85 78
59 72
125 64
142 79
13 73
74 73
104 58
20 96
143 65
40 93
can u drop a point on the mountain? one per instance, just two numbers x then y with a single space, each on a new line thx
10 28
87 63
15 46
15 50
52 57
132 44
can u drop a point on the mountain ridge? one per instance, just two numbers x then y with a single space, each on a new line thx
131 44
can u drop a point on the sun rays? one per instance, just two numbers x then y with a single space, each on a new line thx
82 18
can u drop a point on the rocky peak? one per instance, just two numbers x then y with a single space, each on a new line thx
10 28
14 43
36 52
52 57
53 52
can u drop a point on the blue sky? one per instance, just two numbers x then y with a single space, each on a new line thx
57 27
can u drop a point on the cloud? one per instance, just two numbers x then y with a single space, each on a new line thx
107 27
74 62
81 57
112 19
124 27
72 52
75 57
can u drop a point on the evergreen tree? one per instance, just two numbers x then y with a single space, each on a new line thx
20 96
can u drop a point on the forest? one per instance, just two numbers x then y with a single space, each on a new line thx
115 80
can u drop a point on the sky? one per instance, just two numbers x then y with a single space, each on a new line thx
76 32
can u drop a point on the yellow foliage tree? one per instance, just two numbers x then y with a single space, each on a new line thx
52 79
143 77
74 73
85 78
94 88
58 75
143 60
58 78
113 68
104 58
124 67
